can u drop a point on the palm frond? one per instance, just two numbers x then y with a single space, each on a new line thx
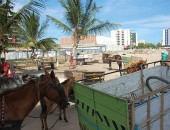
60 24
33 5
102 27
42 28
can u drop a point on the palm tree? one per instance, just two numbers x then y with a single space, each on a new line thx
81 20
8 18
32 33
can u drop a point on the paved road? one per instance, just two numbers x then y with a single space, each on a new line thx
35 123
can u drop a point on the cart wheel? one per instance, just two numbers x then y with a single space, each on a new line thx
81 63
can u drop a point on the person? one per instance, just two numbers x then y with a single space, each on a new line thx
71 61
6 70
163 57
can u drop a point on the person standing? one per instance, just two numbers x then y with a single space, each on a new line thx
163 57
71 61
6 70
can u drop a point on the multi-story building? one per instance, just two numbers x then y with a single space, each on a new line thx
166 37
134 39
124 37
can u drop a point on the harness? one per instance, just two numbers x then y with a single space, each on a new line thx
8 124
16 124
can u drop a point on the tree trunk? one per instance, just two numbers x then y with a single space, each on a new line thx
43 53
27 54
75 44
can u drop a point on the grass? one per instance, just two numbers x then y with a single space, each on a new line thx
15 62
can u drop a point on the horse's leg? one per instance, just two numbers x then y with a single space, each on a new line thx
43 115
65 118
110 65
120 67
43 118
45 121
42 121
60 115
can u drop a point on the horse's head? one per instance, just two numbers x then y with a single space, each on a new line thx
53 91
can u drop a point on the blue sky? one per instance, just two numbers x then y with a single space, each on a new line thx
147 18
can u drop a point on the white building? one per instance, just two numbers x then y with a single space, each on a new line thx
166 37
109 43
121 37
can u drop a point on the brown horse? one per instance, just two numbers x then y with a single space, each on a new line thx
136 66
107 58
18 102
47 104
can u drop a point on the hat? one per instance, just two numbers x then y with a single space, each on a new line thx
163 52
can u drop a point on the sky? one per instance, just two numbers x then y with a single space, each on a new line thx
147 18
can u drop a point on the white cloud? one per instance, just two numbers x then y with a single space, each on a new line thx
152 22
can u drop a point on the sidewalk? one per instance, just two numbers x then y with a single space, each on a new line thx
35 123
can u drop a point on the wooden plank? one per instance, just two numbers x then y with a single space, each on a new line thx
151 93
132 115
148 120
162 111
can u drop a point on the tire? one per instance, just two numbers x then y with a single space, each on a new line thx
155 77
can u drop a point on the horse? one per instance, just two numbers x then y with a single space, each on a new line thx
136 66
107 58
47 104
18 102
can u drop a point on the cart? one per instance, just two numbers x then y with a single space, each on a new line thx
127 102
81 58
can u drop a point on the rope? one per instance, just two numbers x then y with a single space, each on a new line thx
47 114
56 121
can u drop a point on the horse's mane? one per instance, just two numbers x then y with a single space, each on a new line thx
10 84
7 83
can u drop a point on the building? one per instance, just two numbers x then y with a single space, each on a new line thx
134 39
124 37
91 43
166 37
119 40
142 41
85 42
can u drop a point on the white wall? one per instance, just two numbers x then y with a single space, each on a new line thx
108 41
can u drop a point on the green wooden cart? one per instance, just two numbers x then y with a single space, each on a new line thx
125 103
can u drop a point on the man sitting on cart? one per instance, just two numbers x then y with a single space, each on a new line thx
5 69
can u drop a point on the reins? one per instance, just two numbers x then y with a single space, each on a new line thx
51 112
3 111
